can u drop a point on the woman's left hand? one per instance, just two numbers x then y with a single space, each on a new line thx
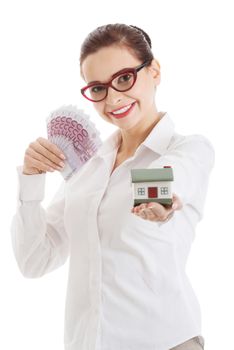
157 212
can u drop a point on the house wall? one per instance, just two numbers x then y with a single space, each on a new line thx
145 185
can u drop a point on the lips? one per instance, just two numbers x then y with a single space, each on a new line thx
120 115
115 110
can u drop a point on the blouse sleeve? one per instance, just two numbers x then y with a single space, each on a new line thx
192 161
39 239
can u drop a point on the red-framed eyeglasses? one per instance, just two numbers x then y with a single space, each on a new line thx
123 80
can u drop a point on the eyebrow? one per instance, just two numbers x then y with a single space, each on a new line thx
99 82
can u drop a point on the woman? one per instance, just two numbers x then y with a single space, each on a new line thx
127 286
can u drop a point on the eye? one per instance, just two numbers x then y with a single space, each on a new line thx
97 88
125 78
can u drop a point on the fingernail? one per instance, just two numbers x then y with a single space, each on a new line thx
62 156
174 206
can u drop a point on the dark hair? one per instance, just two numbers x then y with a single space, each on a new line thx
132 37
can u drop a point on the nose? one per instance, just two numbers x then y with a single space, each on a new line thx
113 96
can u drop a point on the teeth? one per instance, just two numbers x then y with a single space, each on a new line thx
122 110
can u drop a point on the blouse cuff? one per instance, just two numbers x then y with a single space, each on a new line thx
30 187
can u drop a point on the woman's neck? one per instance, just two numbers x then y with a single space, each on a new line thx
130 141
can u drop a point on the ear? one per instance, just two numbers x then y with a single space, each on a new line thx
154 69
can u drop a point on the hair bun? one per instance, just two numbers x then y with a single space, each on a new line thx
146 36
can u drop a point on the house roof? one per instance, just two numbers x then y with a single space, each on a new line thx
149 175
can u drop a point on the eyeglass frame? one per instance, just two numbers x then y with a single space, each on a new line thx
109 83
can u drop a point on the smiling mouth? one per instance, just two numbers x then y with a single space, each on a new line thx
122 112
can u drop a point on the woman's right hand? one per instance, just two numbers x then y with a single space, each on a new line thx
42 156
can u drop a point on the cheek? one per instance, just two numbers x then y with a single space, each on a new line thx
148 93
100 109
135 92
142 93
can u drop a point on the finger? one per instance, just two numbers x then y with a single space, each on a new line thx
157 212
160 212
147 213
154 217
34 163
151 215
51 148
177 203
41 159
139 207
153 211
142 214
139 210
45 154
158 209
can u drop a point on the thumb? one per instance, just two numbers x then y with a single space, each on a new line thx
177 203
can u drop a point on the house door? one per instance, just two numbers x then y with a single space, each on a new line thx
152 192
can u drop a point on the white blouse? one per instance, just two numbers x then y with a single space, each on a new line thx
127 286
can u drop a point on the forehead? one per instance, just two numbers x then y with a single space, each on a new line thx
105 62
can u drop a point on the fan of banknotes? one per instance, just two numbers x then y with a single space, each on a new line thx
75 134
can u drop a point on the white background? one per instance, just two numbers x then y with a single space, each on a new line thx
39 71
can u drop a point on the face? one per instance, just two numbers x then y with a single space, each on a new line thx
101 65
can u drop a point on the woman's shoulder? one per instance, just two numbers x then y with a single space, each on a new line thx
190 142
194 148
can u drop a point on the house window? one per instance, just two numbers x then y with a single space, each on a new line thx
164 190
141 191
152 192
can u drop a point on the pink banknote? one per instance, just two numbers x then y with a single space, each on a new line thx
75 134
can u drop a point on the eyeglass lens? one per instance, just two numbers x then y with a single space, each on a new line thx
122 82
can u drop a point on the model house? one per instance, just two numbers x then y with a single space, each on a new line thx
152 185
